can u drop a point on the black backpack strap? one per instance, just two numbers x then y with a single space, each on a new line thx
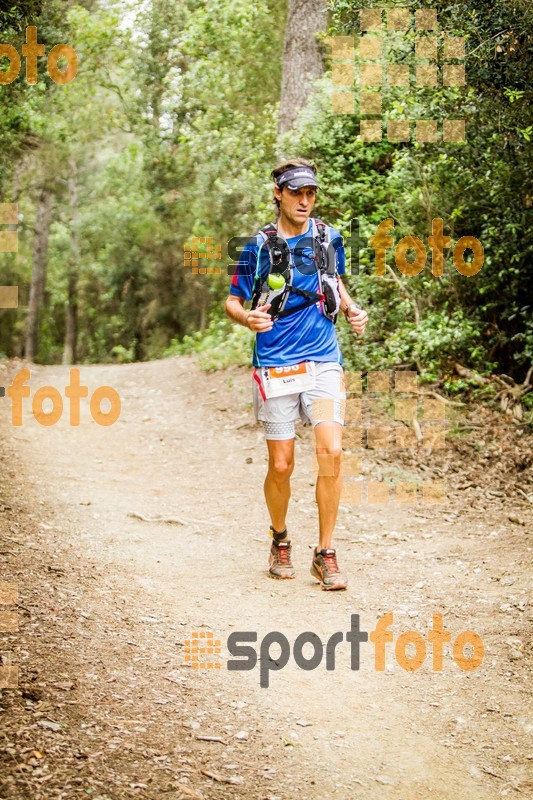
278 250
280 262
322 229
329 260
311 299
279 255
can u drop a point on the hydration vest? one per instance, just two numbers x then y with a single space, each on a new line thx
325 263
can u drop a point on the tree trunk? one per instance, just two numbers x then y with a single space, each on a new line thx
71 322
203 313
43 220
302 59
157 60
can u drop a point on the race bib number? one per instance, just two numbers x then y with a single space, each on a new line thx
294 379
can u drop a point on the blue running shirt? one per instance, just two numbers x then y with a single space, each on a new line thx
306 335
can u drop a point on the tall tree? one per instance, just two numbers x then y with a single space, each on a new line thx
302 58
71 322
38 278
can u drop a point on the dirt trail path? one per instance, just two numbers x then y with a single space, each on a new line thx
109 600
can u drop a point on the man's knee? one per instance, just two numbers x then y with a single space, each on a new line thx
328 435
329 461
281 468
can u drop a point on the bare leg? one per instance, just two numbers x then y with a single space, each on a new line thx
328 438
278 480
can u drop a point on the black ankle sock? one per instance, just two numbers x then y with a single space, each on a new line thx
277 535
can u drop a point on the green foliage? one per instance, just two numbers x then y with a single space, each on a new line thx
481 188
172 123
122 354
223 344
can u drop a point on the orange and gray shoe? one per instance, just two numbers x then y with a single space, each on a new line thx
325 569
279 563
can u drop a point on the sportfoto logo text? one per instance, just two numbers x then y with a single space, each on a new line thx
411 254
51 396
31 51
410 649
437 59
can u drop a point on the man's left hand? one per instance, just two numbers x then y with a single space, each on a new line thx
357 319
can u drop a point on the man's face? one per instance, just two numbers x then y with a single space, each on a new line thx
296 204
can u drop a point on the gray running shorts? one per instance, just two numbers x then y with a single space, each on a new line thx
324 403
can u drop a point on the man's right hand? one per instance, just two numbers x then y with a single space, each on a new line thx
259 320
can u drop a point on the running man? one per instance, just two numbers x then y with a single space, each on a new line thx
303 339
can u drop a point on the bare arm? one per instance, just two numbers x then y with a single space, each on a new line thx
257 320
235 311
346 300
356 317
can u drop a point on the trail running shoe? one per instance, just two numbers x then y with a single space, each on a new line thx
324 567
279 563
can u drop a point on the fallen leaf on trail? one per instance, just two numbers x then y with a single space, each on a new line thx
49 725
385 780
211 739
235 779
185 793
